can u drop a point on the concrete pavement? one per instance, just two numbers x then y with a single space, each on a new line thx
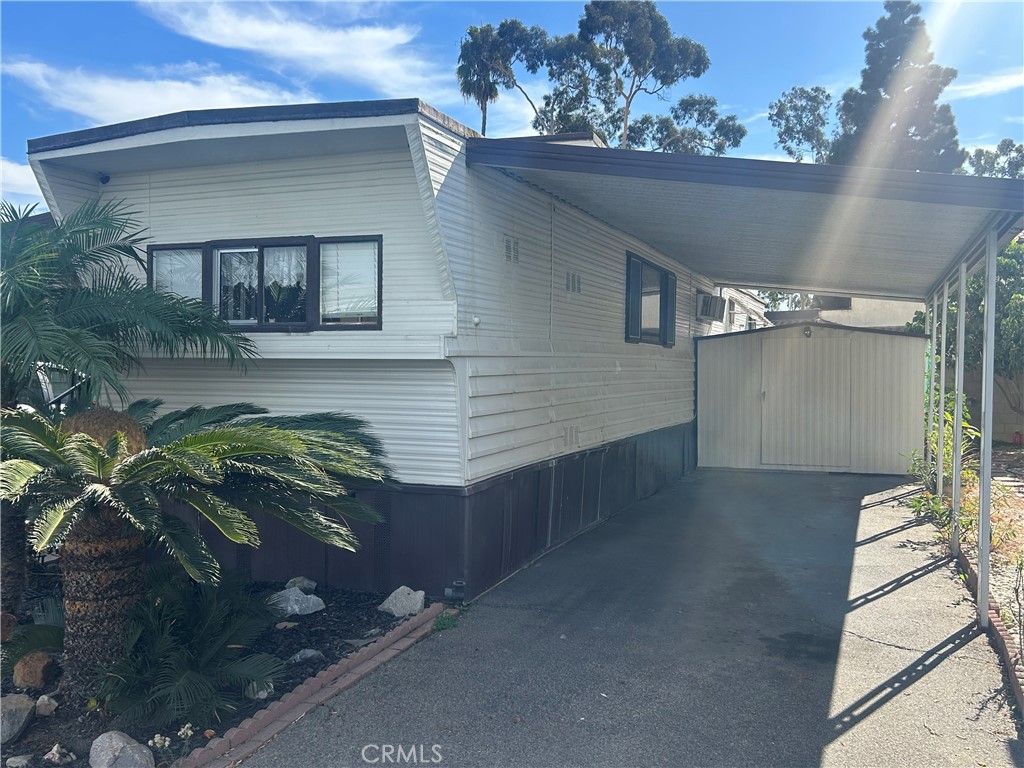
735 619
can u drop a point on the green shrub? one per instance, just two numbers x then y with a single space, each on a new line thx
46 633
188 655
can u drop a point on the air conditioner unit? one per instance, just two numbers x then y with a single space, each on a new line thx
710 308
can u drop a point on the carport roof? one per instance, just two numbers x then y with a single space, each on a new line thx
758 223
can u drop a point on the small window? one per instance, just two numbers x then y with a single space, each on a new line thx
350 283
751 323
650 303
732 314
179 270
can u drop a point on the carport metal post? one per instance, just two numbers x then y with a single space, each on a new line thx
958 408
987 381
928 458
940 359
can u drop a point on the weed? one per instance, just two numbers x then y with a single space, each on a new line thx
446 621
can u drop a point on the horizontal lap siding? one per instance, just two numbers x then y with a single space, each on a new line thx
543 359
410 406
362 193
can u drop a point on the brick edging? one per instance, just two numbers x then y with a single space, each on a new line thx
254 732
998 633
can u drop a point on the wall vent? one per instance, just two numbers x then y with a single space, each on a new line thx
710 307
511 250
573 282
571 436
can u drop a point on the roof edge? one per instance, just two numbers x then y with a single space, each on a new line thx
886 184
241 115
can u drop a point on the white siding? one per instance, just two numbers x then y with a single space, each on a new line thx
65 189
547 371
410 406
360 193
882 382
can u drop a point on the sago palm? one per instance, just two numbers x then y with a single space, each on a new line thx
97 489
73 300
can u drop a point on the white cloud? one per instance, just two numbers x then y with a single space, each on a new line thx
18 184
104 98
512 115
778 157
379 56
987 85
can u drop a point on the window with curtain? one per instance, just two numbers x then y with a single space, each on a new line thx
287 283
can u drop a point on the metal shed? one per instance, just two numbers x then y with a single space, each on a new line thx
810 397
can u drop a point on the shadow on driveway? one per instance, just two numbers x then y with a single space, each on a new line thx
712 624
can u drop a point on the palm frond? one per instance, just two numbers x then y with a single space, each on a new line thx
235 524
51 522
15 474
188 548
176 424
144 411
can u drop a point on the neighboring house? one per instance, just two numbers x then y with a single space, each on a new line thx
528 368
855 312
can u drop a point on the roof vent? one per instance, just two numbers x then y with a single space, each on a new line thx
711 308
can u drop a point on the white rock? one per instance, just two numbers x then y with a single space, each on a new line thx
301 582
16 711
403 602
115 749
45 706
306 654
258 692
21 761
60 756
293 601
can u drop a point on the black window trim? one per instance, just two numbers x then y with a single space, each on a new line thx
312 277
634 319
314 290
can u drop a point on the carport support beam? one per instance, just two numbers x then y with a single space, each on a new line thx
958 408
940 360
987 381
928 458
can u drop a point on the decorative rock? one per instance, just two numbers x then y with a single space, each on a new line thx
8 623
115 749
357 643
306 654
35 670
45 706
60 756
403 602
21 761
301 582
286 624
294 601
16 711
258 692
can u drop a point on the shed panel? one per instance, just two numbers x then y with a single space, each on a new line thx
838 400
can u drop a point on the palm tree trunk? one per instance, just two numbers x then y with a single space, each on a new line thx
13 558
483 118
104 574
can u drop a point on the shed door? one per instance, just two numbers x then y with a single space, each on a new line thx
805 392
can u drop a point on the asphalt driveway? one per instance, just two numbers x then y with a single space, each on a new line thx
735 619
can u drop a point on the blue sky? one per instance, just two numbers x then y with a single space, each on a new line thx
67 66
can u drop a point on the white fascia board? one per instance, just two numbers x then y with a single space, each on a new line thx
226 131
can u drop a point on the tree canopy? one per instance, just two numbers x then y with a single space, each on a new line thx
622 55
